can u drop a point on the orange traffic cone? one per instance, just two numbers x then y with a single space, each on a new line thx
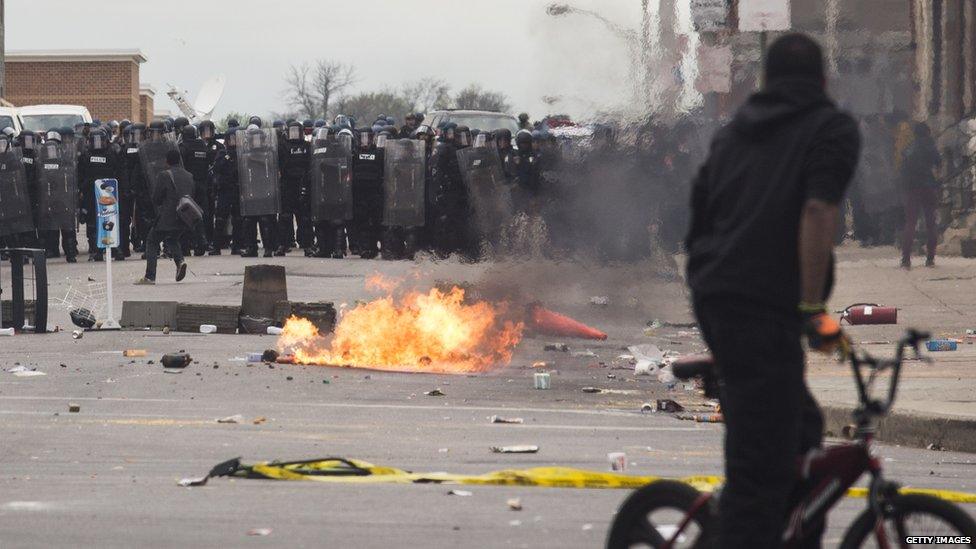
551 323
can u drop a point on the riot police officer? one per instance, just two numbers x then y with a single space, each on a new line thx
28 142
260 152
227 217
208 132
506 153
16 216
132 179
196 159
97 162
449 197
367 194
293 156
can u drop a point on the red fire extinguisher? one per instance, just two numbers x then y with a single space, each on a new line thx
869 313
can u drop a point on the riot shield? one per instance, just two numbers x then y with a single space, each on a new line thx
15 202
152 157
57 187
257 166
331 180
488 197
404 183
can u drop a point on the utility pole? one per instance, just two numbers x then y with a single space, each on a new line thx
3 52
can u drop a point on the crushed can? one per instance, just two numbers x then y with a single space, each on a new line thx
542 380
937 345
870 313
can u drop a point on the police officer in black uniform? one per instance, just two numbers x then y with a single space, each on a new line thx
98 162
196 160
208 133
367 195
28 142
227 215
132 178
293 157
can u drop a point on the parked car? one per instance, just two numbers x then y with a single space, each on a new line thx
475 120
41 118
9 119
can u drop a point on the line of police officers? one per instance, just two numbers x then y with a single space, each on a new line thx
377 190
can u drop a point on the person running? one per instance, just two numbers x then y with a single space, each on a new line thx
171 185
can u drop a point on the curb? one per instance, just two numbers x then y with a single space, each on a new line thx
915 430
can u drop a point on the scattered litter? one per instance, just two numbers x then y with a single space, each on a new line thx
937 345
435 393
515 504
544 321
617 460
647 407
600 300
935 446
611 376
254 357
208 329
165 330
77 334
134 352
540 364
500 419
587 527
259 531
443 450
269 355
515 523
236 418
702 418
587 353
522 449
649 358
592 390
542 380
561 347
274 330
23 371
7 332
462 493
74 408
879 342
187 482
668 405
175 362
665 375
259 420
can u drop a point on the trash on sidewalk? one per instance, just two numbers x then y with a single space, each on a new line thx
269 355
703 418
544 321
617 460
188 482
649 358
668 406
74 408
7 332
515 504
255 325
208 328
275 330
500 419
542 380
23 371
592 390
77 334
938 345
134 353
540 364
259 531
561 347
521 449
581 354
869 313
236 418
600 300
174 363
462 493
434 392
259 420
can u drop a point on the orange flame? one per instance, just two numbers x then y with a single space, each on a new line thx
432 332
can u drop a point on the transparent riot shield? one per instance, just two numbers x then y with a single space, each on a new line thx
257 166
404 183
331 180
15 202
488 197
57 188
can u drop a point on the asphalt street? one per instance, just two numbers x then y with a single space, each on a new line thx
107 475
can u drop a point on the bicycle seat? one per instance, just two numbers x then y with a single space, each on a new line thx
689 367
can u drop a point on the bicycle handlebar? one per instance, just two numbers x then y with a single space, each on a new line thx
861 359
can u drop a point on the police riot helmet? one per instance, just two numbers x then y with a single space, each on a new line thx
295 132
189 132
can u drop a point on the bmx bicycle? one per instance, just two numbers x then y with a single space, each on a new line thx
670 514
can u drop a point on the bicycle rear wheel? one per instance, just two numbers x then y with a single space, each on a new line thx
912 515
652 515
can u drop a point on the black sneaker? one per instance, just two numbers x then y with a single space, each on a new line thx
249 253
181 272
215 251
268 253
71 259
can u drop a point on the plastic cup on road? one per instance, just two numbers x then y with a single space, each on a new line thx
542 380
618 461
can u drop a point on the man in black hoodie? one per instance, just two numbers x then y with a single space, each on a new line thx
760 267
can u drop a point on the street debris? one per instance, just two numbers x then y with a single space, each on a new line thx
175 363
587 527
236 418
515 523
869 313
935 446
647 407
23 371
74 408
188 482
522 449
600 300
462 493
560 347
133 353
649 358
583 354
515 504
259 420
540 364
544 321
668 405
542 380
434 393
507 420
77 334
702 418
7 332
259 531
269 355
254 357
275 330
208 329
938 345
617 460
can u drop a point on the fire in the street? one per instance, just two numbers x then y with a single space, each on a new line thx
424 332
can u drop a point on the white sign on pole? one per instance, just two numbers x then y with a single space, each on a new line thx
710 15
764 15
714 69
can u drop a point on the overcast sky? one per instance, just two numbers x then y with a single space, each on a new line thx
507 45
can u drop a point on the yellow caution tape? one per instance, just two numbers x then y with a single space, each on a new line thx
356 471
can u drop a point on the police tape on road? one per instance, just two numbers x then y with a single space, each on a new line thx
342 470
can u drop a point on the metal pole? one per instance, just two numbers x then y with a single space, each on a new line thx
3 52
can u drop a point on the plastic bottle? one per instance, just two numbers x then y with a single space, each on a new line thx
208 329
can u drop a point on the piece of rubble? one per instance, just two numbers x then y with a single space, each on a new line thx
668 406
560 347
74 408
259 531
583 354
519 449
259 420
434 393
236 418
507 420
462 493
592 390
600 300
515 504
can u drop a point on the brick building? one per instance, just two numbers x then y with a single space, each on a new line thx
104 81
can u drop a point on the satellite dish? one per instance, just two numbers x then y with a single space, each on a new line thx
209 95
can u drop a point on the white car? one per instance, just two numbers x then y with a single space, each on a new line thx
41 118
9 119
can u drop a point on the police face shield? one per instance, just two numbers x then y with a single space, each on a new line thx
53 136
381 141
448 134
156 135
206 132
321 135
365 140
96 141
463 139
230 140
4 144
479 140
29 142
295 133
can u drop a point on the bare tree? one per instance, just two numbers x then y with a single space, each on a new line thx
366 106
427 94
475 98
311 87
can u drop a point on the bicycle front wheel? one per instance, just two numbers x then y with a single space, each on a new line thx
652 515
912 515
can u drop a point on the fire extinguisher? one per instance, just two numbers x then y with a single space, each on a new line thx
869 313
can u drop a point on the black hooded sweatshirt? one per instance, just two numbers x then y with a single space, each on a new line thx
787 144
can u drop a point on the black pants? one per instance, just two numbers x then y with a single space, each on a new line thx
172 241
771 419
250 232
67 238
127 208
227 211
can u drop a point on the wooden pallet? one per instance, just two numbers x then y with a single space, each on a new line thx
189 317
